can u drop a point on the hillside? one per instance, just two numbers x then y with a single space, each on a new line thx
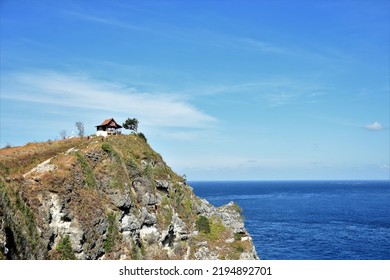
108 198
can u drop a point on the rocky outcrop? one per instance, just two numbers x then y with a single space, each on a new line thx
230 215
61 223
42 167
115 199
3 239
120 199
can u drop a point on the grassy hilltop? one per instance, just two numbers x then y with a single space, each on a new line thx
108 198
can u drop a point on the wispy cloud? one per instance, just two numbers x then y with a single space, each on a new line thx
320 54
375 126
264 46
77 90
272 91
281 98
213 38
105 20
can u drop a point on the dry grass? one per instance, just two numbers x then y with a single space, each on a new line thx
133 148
19 160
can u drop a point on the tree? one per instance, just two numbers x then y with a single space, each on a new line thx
65 249
131 124
63 134
203 224
80 128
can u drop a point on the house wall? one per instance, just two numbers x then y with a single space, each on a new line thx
101 133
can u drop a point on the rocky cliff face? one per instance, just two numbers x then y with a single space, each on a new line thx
112 198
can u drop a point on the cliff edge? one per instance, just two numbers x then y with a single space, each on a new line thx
108 198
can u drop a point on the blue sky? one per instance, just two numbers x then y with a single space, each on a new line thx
224 90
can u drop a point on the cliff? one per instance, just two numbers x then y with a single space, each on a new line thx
112 198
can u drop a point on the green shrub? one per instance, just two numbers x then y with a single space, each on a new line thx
203 224
132 167
188 205
111 151
161 172
107 148
165 214
142 136
216 229
237 208
64 248
164 200
20 220
89 179
237 236
148 172
4 169
134 252
112 233
238 247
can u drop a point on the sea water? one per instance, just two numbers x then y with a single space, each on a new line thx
308 220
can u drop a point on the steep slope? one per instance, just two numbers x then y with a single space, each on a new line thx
112 198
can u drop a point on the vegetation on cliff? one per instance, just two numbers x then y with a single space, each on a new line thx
108 198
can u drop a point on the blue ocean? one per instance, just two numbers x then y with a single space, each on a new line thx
310 220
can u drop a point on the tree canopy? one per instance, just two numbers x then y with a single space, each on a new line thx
131 124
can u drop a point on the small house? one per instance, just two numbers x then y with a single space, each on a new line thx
108 127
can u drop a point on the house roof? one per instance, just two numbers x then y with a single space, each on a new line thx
110 123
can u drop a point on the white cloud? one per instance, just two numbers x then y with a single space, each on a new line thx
77 90
375 126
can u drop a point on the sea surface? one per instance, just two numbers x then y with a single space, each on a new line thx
310 220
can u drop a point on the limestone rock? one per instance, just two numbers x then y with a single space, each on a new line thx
231 218
60 225
130 222
147 218
168 236
120 199
163 184
141 184
179 227
204 253
204 208
150 235
3 240
150 199
95 157
248 256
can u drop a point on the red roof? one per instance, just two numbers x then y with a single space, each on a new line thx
110 123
